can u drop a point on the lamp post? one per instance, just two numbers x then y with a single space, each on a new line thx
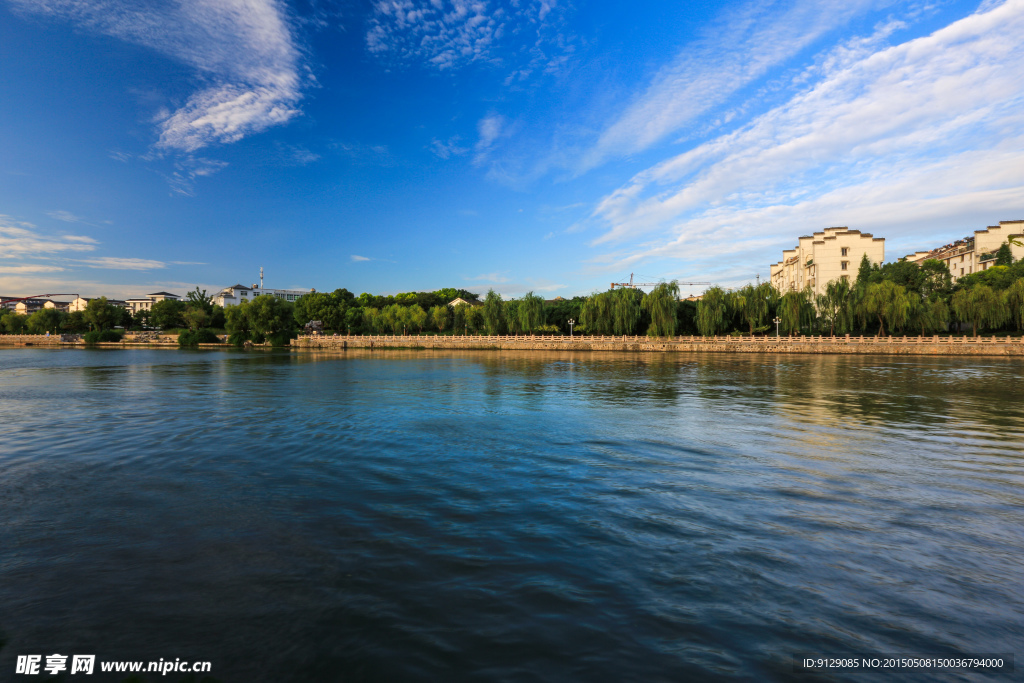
777 321
571 323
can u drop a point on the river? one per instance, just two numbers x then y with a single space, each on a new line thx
420 516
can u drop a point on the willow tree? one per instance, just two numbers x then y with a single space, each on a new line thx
711 311
661 304
596 315
793 311
981 306
493 312
371 317
531 312
889 302
1015 302
753 304
929 316
832 306
439 317
626 309
416 316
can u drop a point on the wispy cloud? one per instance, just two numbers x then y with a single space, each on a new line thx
244 49
10 270
360 258
906 139
488 278
735 51
448 34
189 263
113 263
187 169
445 150
18 240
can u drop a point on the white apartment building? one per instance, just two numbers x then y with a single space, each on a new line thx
81 302
977 253
822 257
236 294
145 303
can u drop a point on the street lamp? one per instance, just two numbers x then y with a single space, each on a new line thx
777 321
571 323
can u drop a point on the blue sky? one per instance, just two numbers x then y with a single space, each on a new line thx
537 145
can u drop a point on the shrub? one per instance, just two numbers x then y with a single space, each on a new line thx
194 338
102 336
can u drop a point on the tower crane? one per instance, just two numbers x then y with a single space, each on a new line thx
634 285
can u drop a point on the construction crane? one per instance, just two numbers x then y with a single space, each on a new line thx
634 285
36 296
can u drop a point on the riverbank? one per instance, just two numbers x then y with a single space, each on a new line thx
848 345
911 346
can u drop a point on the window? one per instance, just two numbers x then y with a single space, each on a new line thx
961 259
961 271
846 251
845 265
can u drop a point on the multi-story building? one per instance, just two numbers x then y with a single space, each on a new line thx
822 257
80 303
145 303
977 253
236 294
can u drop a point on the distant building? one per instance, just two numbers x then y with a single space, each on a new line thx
236 294
460 301
81 302
977 253
822 257
145 303
29 306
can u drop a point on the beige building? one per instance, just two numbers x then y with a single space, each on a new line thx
145 303
977 253
81 302
822 257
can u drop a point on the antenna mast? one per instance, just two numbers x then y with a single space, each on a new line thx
261 278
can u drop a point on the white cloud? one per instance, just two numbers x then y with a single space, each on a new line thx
361 258
114 263
445 150
183 178
243 49
18 240
736 51
65 216
911 140
10 270
448 34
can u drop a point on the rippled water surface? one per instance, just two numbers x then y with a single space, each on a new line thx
483 516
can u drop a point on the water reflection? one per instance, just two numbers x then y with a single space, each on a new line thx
422 514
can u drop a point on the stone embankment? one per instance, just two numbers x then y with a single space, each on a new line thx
147 339
910 346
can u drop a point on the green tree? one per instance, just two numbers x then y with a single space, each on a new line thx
661 304
1004 257
753 303
195 317
493 313
929 316
373 320
45 320
168 313
1015 302
981 306
936 280
864 272
15 323
237 321
596 314
102 315
417 317
141 318
531 312
795 310
269 315
439 317
832 306
711 310
75 322
888 302
510 314
474 318
626 310
198 299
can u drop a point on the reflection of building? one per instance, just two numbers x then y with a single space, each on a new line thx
833 254
977 253
145 303
236 294
81 302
